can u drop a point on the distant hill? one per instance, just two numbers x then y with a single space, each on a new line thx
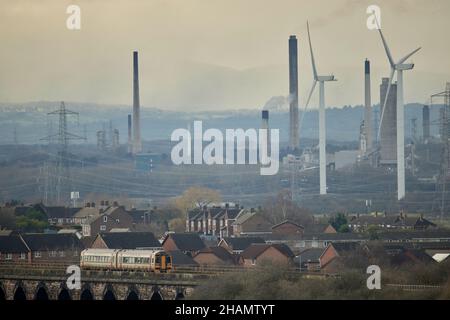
32 122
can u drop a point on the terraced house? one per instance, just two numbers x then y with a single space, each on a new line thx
213 220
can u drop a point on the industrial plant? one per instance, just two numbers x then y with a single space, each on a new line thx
225 150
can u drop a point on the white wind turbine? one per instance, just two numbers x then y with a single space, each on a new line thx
400 66
322 127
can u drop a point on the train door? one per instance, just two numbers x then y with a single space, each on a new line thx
163 262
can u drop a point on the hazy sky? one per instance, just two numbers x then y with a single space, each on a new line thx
213 54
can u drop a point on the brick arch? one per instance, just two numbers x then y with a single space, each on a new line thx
109 293
20 291
64 292
180 294
156 294
2 292
41 292
132 289
86 292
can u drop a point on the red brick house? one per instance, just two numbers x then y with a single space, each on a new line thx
238 244
61 247
213 220
330 261
214 256
259 253
13 249
288 227
109 218
401 221
251 223
320 228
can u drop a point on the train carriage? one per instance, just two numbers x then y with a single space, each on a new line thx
131 260
98 259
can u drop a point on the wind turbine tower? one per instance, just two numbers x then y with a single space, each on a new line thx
398 67
322 125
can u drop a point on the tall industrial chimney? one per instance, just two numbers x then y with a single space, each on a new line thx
293 94
368 107
426 123
137 145
130 141
265 124
265 119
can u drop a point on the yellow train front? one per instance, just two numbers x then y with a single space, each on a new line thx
127 260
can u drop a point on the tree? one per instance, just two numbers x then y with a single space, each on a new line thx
281 208
196 197
177 225
339 221
32 221
7 218
343 228
372 231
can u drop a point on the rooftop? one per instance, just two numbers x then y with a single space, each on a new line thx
129 240
242 243
255 250
186 241
55 241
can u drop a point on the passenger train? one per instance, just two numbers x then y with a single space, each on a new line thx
120 259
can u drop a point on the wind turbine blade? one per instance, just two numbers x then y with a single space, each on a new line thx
307 103
386 48
407 56
385 101
312 54
310 93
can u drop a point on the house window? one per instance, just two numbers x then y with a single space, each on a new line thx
61 254
315 244
52 254
37 254
102 228
8 256
105 219
75 253
117 220
253 262
22 256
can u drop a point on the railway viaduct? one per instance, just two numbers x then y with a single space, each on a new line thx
99 287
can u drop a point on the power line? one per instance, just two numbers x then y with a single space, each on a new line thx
62 166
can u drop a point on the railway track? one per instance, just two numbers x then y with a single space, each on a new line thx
61 267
